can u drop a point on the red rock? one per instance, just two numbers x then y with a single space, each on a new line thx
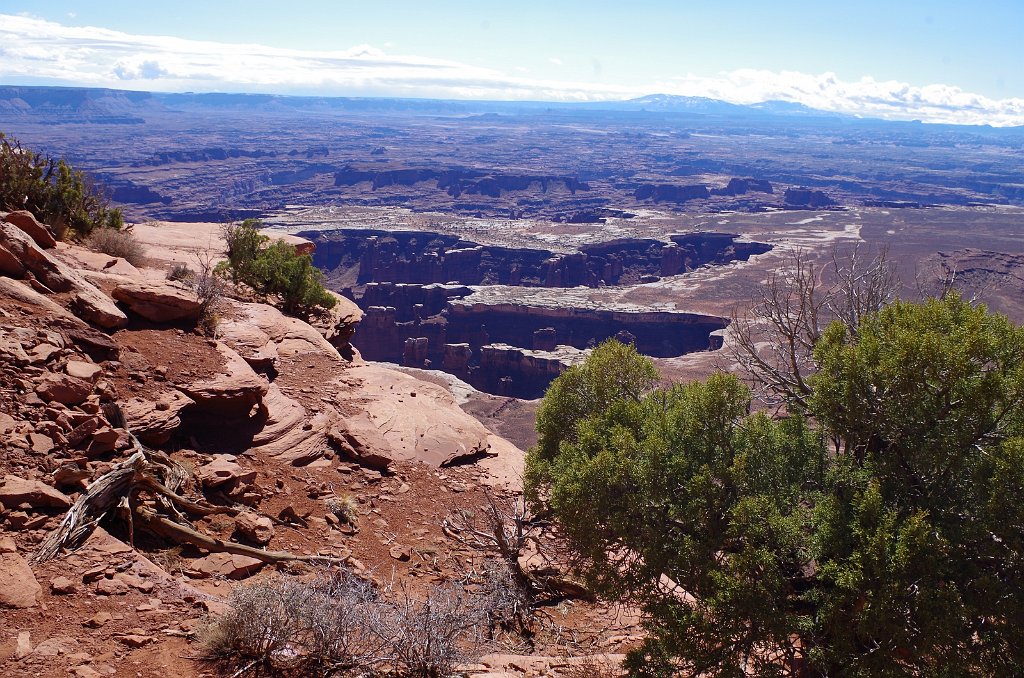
10 265
87 302
256 528
160 302
27 222
42 353
400 553
155 420
16 491
64 389
235 390
62 586
111 587
135 640
40 443
98 620
224 470
23 648
83 370
228 565
20 588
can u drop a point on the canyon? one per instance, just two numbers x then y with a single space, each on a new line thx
417 290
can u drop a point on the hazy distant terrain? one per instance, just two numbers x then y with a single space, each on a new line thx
499 240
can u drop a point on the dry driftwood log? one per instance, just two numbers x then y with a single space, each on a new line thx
160 476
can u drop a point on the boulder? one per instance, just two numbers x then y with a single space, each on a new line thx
93 343
52 273
230 565
16 491
160 302
413 420
235 390
223 471
155 420
291 336
255 528
286 433
62 586
249 341
359 439
87 301
80 369
27 222
63 388
20 588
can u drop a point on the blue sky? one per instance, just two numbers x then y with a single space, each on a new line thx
939 60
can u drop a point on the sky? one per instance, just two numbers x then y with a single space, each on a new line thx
938 60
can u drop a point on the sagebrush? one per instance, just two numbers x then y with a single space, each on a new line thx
337 624
117 243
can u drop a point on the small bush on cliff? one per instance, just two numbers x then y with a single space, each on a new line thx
117 244
879 531
275 269
53 191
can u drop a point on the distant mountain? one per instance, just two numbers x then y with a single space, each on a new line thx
671 103
63 105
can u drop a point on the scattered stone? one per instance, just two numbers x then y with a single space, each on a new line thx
62 586
135 639
256 528
70 475
41 444
111 587
143 585
223 470
42 353
230 565
20 588
16 491
24 645
27 222
400 553
84 671
7 545
160 302
98 620
56 645
64 389
83 370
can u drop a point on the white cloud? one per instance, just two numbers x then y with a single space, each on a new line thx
40 51
556 61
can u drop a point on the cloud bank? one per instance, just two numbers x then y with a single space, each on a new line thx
37 51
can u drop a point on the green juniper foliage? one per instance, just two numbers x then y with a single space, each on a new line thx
275 269
53 191
881 533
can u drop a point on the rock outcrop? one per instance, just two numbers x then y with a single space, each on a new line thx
236 390
160 302
26 221
88 302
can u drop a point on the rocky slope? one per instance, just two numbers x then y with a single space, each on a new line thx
271 428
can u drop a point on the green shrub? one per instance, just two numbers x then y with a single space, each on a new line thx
53 191
879 532
274 269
